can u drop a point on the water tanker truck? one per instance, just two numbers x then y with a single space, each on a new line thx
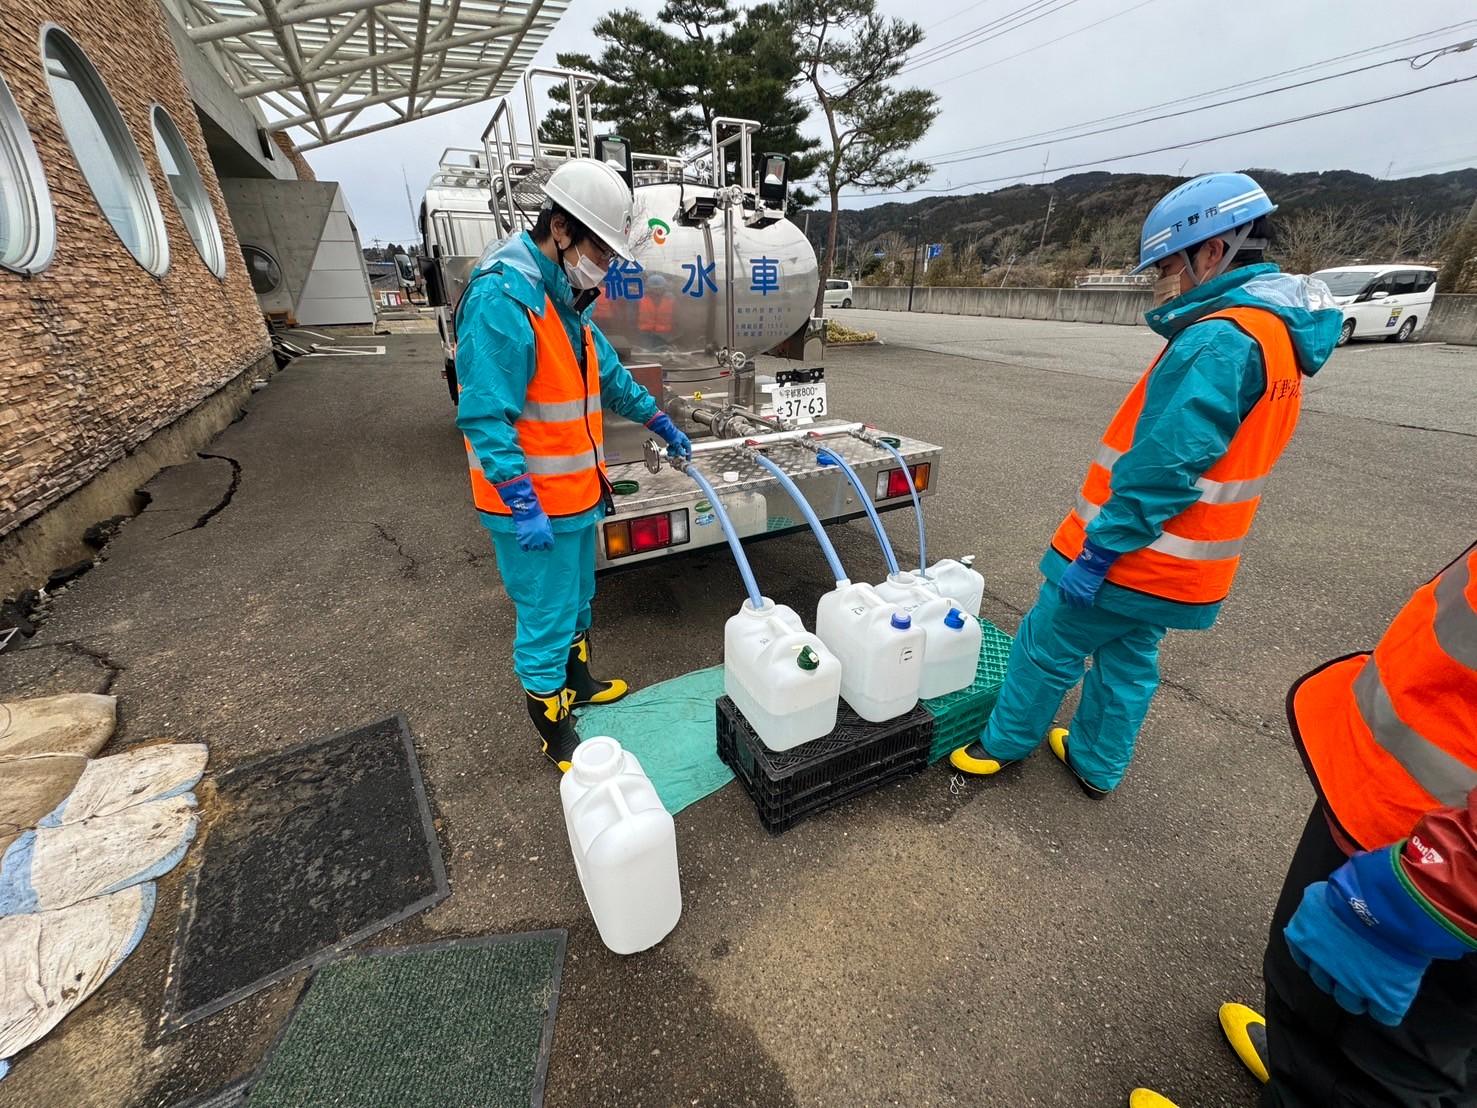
713 316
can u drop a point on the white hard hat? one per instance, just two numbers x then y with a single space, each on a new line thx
597 196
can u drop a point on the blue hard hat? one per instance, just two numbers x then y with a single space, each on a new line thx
1202 209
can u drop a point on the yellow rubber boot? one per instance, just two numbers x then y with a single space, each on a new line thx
1056 738
555 726
975 759
1246 1031
577 678
1148 1098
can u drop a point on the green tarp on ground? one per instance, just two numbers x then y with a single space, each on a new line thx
672 729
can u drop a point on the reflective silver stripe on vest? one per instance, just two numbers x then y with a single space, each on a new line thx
1446 778
558 411
1456 622
559 465
1194 550
1211 492
473 462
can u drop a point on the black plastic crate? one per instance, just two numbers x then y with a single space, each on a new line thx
855 757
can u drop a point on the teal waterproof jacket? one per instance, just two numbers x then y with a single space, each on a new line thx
495 361
1206 383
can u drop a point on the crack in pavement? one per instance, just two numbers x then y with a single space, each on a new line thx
224 501
78 649
411 566
1258 727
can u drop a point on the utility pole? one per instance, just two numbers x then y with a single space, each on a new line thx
1050 204
913 280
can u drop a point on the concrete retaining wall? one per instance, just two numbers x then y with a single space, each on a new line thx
1453 318
1123 306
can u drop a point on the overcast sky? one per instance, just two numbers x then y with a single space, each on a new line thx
1069 72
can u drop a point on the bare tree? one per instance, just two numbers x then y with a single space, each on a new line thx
1434 232
1113 241
1397 236
1316 238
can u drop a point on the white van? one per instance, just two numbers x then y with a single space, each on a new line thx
1390 302
838 293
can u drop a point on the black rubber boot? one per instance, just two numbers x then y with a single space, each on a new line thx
550 715
586 688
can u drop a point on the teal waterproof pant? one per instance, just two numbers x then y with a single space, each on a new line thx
552 591
1048 657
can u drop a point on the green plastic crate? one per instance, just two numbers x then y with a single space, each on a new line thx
959 717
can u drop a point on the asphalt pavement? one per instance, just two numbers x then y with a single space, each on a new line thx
944 942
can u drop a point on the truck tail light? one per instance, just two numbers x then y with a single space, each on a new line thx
624 537
893 482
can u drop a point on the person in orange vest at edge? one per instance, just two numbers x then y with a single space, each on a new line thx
1155 537
1371 965
535 377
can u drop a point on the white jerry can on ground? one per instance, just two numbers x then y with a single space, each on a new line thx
782 678
880 649
952 638
624 844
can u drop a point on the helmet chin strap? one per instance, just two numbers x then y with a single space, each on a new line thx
1234 243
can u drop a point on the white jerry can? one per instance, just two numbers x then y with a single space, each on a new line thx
880 649
781 677
952 639
958 580
624 844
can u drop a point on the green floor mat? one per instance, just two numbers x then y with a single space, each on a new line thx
672 729
459 1023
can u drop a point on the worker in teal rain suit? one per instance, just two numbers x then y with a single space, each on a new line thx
533 424
1155 536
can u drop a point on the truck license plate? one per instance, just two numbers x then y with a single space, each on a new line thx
803 403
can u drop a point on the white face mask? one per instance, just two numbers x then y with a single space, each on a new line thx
584 274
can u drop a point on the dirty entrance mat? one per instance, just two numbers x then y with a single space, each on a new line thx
465 1022
313 850
672 729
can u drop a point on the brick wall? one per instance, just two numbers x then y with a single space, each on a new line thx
96 353
299 163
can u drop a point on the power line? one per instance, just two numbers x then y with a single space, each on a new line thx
1032 13
1187 111
925 51
1180 100
1186 145
956 15
1043 45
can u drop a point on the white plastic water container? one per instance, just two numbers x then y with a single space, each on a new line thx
624 844
880 649
958 580
782 678
952 638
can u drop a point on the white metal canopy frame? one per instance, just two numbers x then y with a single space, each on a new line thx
333 69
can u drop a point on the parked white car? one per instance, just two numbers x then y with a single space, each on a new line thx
838 293
1390 302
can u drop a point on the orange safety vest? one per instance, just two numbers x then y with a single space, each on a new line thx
1390 735
1195 558
560 430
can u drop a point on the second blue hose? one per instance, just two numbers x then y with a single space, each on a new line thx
917 507
745 570
808 512
866 499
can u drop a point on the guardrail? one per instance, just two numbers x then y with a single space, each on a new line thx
1453 316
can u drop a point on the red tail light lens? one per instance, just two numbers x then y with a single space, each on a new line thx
893 483
624 537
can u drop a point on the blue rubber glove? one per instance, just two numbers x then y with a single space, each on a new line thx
1365 938
1082 579
531 527
678 444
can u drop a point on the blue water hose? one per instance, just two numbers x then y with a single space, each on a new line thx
745 570
808 512
829 457
917 507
